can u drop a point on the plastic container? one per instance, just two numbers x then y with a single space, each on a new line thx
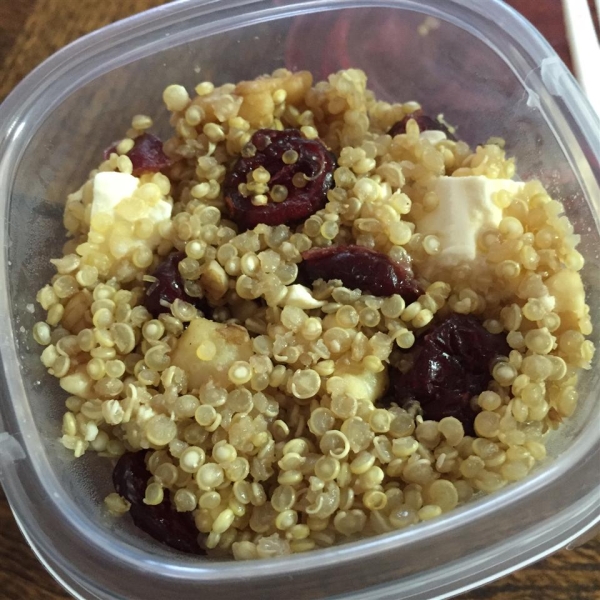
481 64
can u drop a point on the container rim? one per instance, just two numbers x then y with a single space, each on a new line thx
134 38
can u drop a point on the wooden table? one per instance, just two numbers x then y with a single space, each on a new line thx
31 30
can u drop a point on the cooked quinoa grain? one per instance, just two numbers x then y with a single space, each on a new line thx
267 402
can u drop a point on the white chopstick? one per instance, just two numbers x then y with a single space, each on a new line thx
585 49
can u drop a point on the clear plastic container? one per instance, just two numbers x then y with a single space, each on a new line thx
479 63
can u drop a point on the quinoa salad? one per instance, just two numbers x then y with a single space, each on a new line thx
309 317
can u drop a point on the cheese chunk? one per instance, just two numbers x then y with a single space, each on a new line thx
433 136
231 343
301 297
115 210
465 209
109 189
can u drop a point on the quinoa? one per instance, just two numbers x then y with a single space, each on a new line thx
286 448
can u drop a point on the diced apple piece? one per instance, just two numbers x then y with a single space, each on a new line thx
566 286
361 383
215 281
257 109
231 343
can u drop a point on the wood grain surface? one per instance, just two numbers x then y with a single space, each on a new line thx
30 31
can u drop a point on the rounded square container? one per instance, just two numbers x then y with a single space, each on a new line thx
480 64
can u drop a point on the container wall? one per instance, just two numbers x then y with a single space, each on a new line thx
408 55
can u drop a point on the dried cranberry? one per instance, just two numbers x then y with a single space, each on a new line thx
163 522
451 365
362 268
424 122
146 156
169 286
313 160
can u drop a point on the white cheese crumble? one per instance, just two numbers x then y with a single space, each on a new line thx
110 189
433 136
465 209
301 297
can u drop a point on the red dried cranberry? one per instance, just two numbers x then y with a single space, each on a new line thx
146 156
169 286
362 268
314 161
424 122
163 522
451 365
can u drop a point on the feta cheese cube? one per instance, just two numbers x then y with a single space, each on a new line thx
115 208
109 189
301 297
433 136
465 209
